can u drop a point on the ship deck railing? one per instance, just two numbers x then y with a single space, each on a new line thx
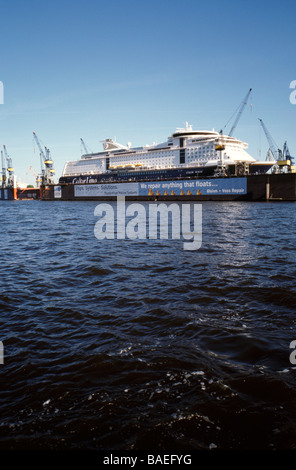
167 167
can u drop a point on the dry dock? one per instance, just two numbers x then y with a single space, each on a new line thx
273 187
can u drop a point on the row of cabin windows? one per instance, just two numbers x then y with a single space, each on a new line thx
155 160
143 157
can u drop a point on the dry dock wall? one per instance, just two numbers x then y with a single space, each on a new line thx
250 188
272 187
6 194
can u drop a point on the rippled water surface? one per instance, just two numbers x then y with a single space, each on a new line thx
139 344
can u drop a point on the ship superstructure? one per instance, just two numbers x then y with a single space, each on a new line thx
186 153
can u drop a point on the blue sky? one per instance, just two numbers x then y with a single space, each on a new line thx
137 70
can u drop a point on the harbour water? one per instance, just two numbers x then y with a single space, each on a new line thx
140 344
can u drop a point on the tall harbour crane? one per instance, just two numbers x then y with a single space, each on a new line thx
273 147
84 146
284 161
9 168
239 113
3 169
47 171
286 153
242 107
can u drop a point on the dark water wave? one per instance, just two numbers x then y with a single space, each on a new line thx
138 344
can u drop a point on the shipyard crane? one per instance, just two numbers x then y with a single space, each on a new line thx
284 161
241 108
9 168
37 177
239 113
287 162
84 147
3 170
47 170
273 147
286 153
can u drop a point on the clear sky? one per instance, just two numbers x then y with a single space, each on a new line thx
137 70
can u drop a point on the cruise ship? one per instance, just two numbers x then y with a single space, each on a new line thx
186 154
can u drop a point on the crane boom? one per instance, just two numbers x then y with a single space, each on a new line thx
37 178
276 152
286 153
9 168
84 146
8 160
3 169
39 145
46 163
242 106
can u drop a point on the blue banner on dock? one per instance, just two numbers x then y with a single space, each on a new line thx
199 187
